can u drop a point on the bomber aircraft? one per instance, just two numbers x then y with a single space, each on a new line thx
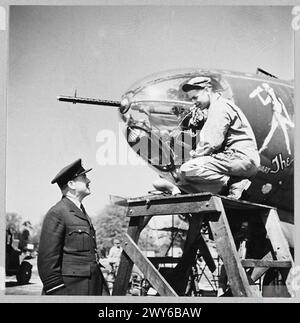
155 114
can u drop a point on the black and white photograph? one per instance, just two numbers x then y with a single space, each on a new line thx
149 152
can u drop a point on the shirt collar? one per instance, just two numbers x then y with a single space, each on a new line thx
74 200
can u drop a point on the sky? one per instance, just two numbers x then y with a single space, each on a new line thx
101 51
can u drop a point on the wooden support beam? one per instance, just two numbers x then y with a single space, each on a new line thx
135 227
223 238
164 260
275 234
205 253
279 244
147 268
181 273
250 263
184 204
259 272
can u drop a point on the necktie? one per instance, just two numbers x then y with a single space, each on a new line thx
84 212
83 209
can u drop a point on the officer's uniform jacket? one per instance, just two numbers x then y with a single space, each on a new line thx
67 259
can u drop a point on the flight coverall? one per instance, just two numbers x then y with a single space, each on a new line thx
227 149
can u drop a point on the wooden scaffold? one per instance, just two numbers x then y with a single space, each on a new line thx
265 247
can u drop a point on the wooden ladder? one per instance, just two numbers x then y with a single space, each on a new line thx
221 214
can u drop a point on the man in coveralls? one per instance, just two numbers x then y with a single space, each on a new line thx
67 260
226 155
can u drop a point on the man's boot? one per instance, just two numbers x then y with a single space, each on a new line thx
237 188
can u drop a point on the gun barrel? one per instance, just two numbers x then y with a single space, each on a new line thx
75 99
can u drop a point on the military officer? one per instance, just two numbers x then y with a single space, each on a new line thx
67 259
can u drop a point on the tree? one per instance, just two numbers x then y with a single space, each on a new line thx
110 223
36 233
13 221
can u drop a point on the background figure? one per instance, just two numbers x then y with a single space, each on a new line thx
280 118
24 236
114 255
9 236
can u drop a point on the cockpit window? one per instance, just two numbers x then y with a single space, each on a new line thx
159 109
167 86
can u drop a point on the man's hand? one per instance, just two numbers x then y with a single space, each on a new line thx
197 116
193 153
